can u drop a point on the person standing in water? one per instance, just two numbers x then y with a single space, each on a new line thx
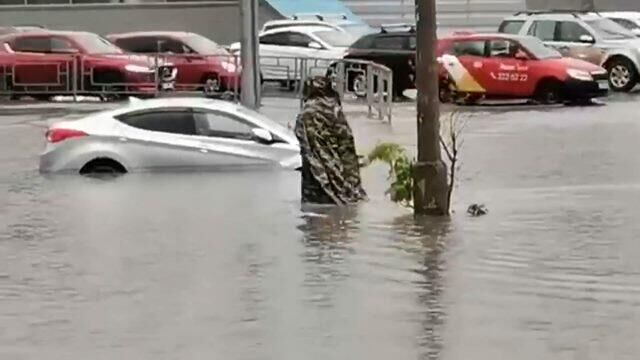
330 166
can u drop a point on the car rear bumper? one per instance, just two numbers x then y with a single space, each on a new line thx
579 89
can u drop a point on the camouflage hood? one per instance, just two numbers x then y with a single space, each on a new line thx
330 167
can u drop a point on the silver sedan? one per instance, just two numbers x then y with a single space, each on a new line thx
169 134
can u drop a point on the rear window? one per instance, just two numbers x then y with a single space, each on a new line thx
511 27
365 42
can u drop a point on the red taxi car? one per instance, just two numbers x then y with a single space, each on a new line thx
202 64
476 66
44 63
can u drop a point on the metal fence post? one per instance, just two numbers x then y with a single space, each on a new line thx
370 92
381 99
74 78
389 94
340 76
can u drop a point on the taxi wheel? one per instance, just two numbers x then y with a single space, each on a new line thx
548 93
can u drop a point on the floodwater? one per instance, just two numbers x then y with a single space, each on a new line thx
228 266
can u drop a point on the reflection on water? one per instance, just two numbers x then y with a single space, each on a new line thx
229 266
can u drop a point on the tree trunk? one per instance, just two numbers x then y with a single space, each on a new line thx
430 172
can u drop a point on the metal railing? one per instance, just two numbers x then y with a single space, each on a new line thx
35 75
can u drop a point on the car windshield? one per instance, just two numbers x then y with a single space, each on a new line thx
96 44
203 45
610 30
336 38
539 49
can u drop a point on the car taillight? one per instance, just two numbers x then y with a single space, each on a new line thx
57 135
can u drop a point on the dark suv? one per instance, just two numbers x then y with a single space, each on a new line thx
394 47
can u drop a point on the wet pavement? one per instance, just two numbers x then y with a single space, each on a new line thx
228 266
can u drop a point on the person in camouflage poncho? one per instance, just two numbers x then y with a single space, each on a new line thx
330 166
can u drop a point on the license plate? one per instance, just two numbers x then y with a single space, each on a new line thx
167 86
603 85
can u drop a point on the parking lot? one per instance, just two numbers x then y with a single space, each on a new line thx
195 265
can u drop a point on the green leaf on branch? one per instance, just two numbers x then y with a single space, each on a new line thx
400 174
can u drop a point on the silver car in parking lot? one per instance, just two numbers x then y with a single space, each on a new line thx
169 134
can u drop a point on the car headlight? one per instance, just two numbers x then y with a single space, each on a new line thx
579 74
229 67
138 68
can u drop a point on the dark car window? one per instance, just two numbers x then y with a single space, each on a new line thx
168 121
209 123
168 45
286 39
61 45
511 27
365 42
469 48
571 31
275 39
40 44
504 48
543 30
141 45
391 43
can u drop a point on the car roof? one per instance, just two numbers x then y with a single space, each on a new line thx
622 14
554 15
485 36
151 33
138 104
49 32
301 29
289 22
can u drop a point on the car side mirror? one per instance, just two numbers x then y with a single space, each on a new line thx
315 45
262 135
587 39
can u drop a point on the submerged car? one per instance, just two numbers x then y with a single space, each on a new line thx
501 66
169 134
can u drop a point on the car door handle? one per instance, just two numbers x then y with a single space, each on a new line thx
204 151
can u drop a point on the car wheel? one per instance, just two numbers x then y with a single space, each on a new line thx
211 85
623 75
548 93
103 166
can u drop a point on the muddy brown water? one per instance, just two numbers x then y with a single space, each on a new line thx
228 266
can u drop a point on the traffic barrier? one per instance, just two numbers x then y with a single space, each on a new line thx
216 75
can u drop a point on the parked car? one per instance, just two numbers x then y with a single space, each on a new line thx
512 66
569 30
166 134
395 47
202 63
45 63
630 20
282 51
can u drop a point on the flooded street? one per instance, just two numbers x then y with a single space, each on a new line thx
228 265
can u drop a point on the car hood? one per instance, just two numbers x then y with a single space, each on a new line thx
577 64
624 43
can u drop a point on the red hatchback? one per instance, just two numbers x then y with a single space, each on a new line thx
202 63
45 63
509 66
